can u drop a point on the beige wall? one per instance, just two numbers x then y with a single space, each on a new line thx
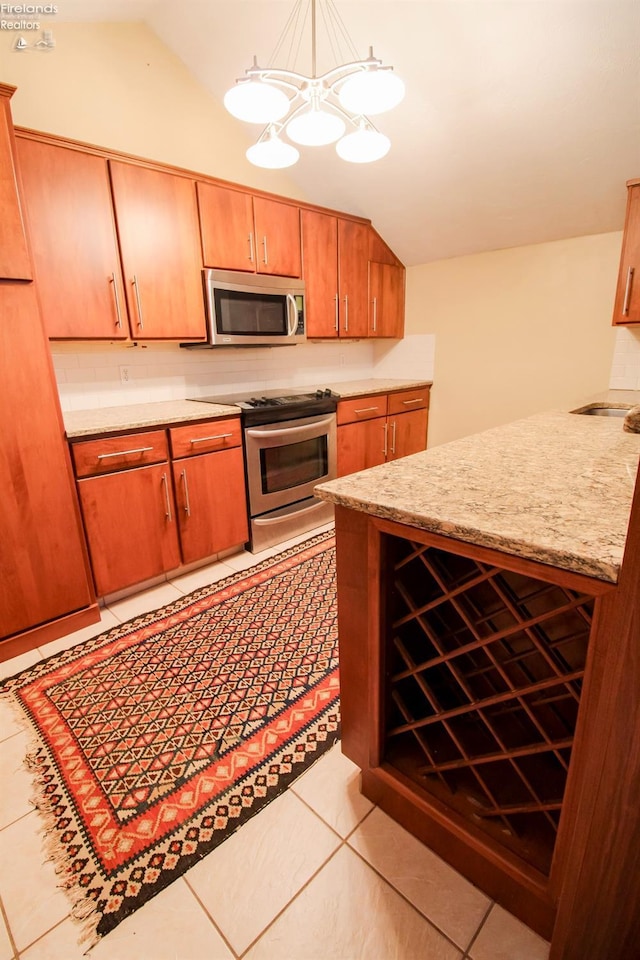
517 331
117 85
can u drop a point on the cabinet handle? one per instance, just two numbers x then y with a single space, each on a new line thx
627 290
367 410
266 255
393 437
187 505
218 436
167 511
385 428
251 254
346 313
337 300
375 314
417 400
123 453
117 299
135 287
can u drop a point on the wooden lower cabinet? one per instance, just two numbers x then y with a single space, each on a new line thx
373 430
211 505
131 527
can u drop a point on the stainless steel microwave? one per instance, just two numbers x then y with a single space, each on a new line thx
245 309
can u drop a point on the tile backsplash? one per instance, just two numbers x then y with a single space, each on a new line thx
625 368
114 374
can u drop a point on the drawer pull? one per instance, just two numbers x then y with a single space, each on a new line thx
367 410
187 505
218 436
418 400
123 453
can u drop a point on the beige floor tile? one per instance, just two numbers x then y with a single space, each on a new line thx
435 888
172 925
16 781
9 720
348 912
28 884
202 577
332 788
503 937
107 620
6 950
247 880
8 668
144 601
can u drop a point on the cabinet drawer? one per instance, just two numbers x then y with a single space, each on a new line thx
205 437
117 453
362 408
408 400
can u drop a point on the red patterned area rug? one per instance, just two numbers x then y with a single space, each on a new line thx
156 740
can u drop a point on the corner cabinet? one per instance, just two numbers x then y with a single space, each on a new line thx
157 218
41 598
251 233
627 303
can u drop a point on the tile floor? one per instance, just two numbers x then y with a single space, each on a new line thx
320 872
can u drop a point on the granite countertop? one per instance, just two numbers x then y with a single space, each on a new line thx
555 488
83 423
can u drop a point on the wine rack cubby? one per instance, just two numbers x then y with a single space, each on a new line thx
483 670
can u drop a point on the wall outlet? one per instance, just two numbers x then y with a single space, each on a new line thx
125 375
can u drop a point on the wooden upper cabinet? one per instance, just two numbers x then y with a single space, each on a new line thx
157 218
73 238
353 260
386 300
319 233
379 251
627 304
243 232
15 263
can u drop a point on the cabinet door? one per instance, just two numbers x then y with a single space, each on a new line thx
157 219
386 300
212 507
320 272
277 237
627 305
353 273
43 566
361 445
226 227
14 253
73 238
130 522
407 434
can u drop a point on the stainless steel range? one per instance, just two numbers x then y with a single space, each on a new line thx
289 447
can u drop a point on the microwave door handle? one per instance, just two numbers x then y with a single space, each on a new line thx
292 315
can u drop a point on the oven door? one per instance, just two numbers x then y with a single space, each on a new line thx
285 461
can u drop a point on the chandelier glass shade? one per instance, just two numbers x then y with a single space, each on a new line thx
316 110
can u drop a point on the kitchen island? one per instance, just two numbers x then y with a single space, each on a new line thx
488 597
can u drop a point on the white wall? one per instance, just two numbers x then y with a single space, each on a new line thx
517 331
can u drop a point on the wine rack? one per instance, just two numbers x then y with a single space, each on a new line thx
483 670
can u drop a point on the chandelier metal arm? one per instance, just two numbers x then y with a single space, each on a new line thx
273 74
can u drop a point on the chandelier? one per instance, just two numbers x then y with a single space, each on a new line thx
316 110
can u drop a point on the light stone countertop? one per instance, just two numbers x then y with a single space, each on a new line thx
83 423
555 488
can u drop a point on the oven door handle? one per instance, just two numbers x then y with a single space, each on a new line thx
292 315
290 433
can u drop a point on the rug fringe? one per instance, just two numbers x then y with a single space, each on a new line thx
83 910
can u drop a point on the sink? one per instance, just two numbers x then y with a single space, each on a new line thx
602 411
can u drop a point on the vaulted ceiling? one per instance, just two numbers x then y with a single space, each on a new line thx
520 125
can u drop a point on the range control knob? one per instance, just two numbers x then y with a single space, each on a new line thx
319 394
327 392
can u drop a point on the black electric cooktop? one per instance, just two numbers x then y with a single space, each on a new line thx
274 406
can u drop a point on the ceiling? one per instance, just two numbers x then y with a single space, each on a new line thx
520 125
